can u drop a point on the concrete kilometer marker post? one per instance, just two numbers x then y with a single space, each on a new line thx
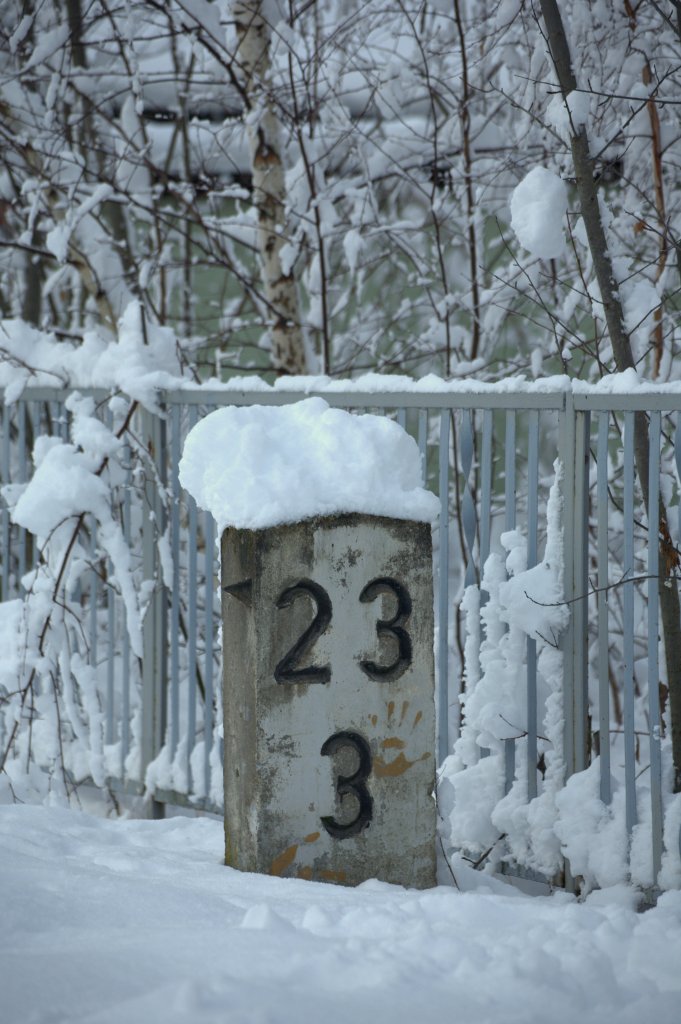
329 700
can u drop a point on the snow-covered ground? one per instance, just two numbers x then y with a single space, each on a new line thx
125 921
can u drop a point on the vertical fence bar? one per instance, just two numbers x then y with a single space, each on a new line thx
509 471
192 623
532 486
125 696
34 420
175 597
509 524
94 592
485 528
148 575
443 592
485 491
580 535
4 511
468 516
566 431
23 477
532 529
63 422
109 730
653 641
402 418
567 436
602 606
154 624
677 459
110 662
423 444
628 626
161 590
209 531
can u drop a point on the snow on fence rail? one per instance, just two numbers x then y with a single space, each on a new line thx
565 738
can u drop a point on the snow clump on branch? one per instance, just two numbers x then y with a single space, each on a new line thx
538 206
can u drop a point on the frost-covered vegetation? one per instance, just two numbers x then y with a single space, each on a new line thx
402 129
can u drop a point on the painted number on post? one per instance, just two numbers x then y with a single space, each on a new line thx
354 784
290 670
393 629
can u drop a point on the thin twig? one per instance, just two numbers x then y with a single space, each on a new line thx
594 590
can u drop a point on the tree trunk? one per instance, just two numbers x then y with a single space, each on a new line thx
587 190
269 187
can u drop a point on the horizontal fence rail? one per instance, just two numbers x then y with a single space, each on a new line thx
490 457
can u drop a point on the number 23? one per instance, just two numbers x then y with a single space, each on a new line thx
289 669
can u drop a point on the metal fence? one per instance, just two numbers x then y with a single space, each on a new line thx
489 456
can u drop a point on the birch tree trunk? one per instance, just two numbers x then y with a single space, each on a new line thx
587 190
269 186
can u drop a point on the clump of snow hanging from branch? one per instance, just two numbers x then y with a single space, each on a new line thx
538 207
68 483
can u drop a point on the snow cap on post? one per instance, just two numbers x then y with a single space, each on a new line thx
254 467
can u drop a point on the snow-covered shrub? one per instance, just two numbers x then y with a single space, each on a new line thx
70 688
479 815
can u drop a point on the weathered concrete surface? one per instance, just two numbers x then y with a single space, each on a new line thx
330 734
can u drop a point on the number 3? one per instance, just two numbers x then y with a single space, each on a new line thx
392 628
354 784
